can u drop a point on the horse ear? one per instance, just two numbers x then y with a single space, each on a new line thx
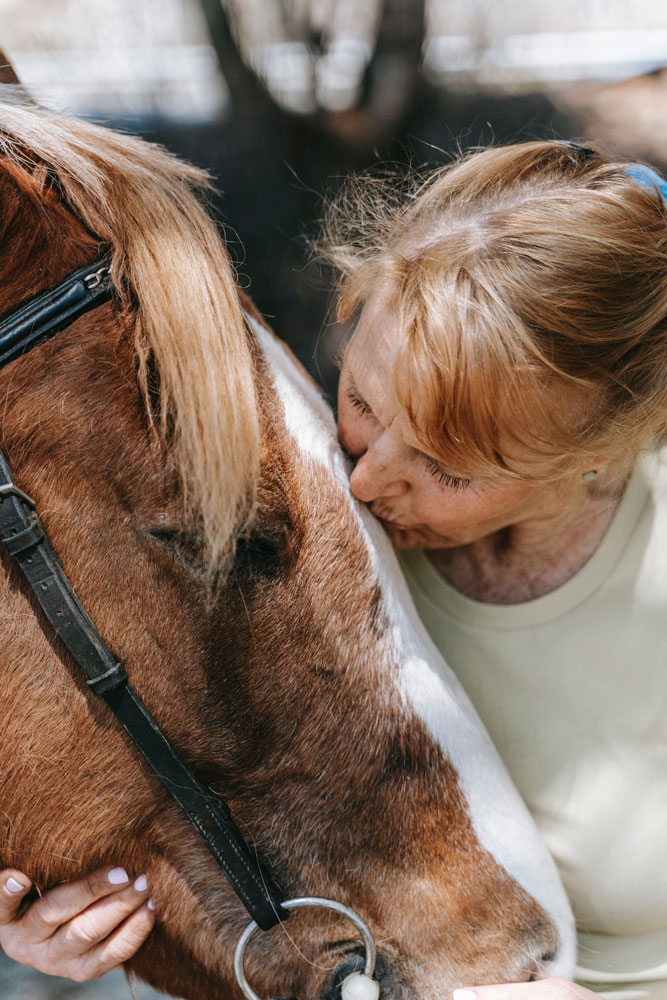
36 181
7 71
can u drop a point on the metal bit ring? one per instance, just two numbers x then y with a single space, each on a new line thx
297 904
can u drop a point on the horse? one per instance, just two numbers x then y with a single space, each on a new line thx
188 473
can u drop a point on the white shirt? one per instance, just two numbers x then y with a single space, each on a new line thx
572 688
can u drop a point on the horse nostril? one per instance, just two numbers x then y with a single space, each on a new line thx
351 963
392 986
538 968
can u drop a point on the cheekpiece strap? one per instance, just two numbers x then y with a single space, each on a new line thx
26 541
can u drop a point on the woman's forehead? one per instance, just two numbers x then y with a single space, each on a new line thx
369 364
375 340
368 372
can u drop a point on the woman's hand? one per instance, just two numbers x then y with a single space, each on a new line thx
554 988
79 930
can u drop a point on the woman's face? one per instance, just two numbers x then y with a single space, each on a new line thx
421 503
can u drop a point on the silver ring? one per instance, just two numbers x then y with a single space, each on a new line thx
297 904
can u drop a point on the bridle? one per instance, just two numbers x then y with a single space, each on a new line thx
27 542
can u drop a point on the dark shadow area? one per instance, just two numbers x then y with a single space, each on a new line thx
272 171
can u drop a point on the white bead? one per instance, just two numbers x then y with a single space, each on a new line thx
357 986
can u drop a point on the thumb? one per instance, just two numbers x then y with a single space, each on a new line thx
553 988
13 887
503 991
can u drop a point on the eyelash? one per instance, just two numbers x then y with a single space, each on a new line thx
444 478
358 403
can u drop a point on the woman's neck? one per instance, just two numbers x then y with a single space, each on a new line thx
527 560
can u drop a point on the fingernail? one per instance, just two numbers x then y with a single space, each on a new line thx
14 886
141 884
464 995
117 876
150 904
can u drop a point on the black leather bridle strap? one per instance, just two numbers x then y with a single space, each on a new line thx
26 541
43 316
210 816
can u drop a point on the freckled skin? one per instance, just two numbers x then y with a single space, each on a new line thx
495 540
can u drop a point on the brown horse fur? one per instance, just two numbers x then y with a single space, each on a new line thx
7 71
152 438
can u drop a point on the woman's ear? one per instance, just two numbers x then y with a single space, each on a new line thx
604 477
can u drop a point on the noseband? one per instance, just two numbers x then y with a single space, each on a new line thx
27 542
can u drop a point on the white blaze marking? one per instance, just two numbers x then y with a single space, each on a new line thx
427 686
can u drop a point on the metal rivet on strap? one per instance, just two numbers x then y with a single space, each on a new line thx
112 678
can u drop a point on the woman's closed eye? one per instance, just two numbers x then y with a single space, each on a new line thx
446 478
358 403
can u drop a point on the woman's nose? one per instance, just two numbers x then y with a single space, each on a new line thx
373 477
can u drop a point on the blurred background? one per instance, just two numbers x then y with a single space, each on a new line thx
280 99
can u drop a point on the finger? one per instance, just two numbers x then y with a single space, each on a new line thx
88 929
13 887
120 946
553 988
60 904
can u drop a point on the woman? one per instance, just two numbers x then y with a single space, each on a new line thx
503 397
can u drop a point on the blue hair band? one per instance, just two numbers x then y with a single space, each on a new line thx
648 177
645 176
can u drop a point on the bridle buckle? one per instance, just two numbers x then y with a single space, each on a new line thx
93 280
10 489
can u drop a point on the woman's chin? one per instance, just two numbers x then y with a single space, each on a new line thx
415 538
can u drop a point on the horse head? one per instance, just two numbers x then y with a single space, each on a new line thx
189 477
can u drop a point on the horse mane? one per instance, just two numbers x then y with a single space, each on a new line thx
173 275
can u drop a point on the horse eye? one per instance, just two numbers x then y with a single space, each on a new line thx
166 537
264 553
185 547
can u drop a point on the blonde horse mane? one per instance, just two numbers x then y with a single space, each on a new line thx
170 267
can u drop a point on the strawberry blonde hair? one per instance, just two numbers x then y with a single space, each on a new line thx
521 277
